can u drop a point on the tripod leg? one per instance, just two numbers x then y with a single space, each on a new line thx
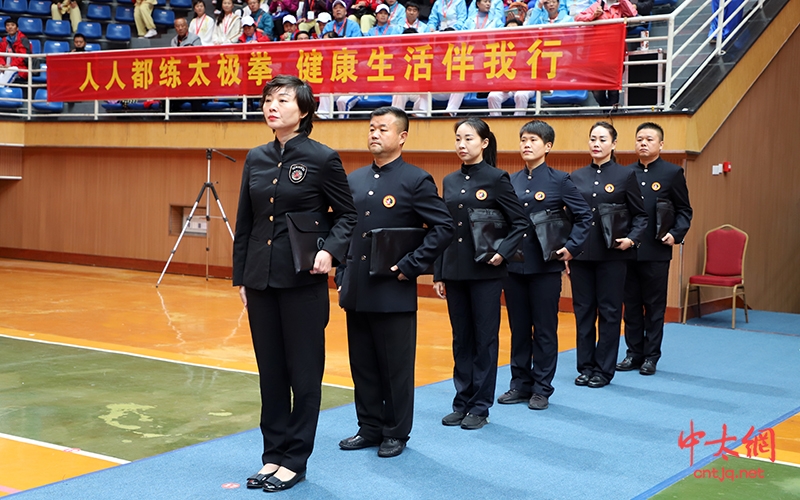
183 231
221 210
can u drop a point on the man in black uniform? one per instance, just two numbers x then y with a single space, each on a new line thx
382 310
646 281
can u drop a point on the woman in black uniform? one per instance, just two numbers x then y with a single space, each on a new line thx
288 311
472 289
533 287
598 274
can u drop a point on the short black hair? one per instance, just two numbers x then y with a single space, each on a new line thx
398 113
540 128
410 31
412 4
11 20
653 126
78 35
195 2
513 22
302 93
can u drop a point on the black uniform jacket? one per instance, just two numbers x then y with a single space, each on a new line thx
540 189
661 179
478 186
395 195
610 183
262 255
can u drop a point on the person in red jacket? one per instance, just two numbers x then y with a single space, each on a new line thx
16 43
249 33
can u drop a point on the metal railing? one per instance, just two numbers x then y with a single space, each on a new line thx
684 51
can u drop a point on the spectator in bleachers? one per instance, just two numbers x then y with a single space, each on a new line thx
279 9
183 38
446 14
249 32
59 8
302 35
322 20
78 43
513 22
362 12
382 25
330 34
482 18
397 13
412 18
202 25
517 11
611 9
548 12
263 21
343 26
289 27
143 17
228 26
15 42
496 9
308 13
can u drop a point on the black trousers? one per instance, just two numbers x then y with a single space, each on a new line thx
645 305
382 351
288 330
532 303
597 290
474 309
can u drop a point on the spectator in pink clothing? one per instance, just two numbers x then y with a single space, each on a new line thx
611 9
607 9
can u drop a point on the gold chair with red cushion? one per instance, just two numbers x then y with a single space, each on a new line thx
723 267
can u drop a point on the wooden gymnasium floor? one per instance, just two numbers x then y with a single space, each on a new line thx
84 381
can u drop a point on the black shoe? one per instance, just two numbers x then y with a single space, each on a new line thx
273 484
582 379
513 396
356 442
628 364
391 447
538 402
648 367
453 419
598 381
473 422
257 480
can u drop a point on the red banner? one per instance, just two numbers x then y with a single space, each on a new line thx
537 58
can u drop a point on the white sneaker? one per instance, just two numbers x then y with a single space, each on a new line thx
151 34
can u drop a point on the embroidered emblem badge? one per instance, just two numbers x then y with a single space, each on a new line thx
297 173
609 188
389 201
539 196
481 194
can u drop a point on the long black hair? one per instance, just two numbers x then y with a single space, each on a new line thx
303 94
482 129
611 130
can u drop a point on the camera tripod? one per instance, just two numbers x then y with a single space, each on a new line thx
210 186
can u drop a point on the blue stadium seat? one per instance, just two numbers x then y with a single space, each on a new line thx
55 46
39 8
92 31
36 46
31 26
123 14
48 107
98 12
373 101
118 32
180 4
41 76
15 7
471 100
163 17
565 96
10 93
93 47
57 29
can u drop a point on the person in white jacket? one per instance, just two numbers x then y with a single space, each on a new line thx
229 25
202 25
